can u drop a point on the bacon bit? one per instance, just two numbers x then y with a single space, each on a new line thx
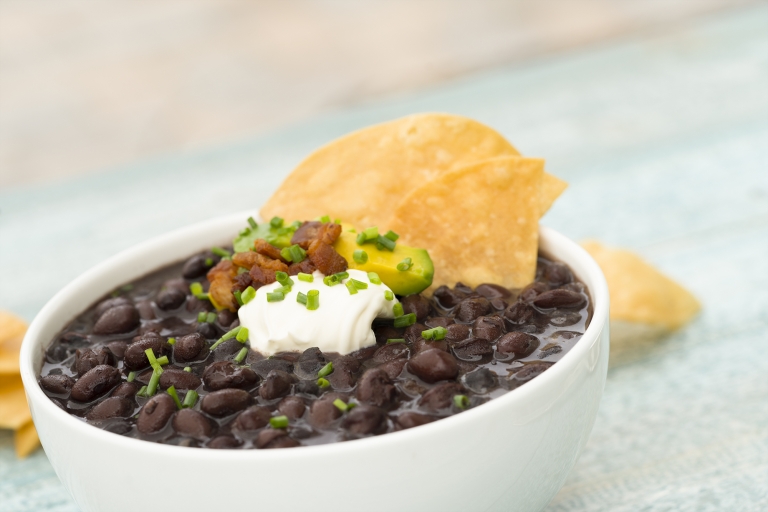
305 266
329 233
250 259
261 276
325 258
242 281
313 230
222 278
265 248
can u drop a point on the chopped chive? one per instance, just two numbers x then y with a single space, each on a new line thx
283 231
208 262
313 299
389 295
201 316
331 280
188 369
360 256
297 253
285 253
397 309
360 239
285 290
283 278
172 391
323 383
325 218
404 265
272 239
227 335
210 317
238 297
395 340
248 295
436 333
171 341
131 376
190 399
142 391
337 221
358 284
326 370
295 225
307 278
218 251
374 278
242 335
341 275
278 421
153 382
371 233
301 298
383 242
197 290
351 287
153 362
340 405
392 235
245 231
240 357
276 222
275 296
162 361
461 401
252 223
405 320
351 405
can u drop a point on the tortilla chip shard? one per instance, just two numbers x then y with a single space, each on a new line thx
479 223
26 439
639 292
360 177
12 330
14 411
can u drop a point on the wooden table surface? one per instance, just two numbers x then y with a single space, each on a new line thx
664 139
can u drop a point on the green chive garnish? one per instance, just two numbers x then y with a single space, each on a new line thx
240 357
208 262
162 361
153 382
285 253
201 316
323 383
374 278
358 284
461 401
301 298
341 275
395 340
131 376
397 309
331 280
245 231
276 222
285 290
360 256
252 223
307 278
197 290
404 265
371 233
389 295
436 333
227 335
218 251
188 369
242 335
325 218
171 341
326 370
405 320
275 296
153 362
340 405
360 239
313 300
351 287
210 317
283 278
248 295
142 391
238 297
172 391
295 225
190 399
297 253
392 235
383 242
279 421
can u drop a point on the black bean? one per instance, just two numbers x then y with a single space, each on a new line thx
376 388
433 365
394 368
564 318
155 414
196 266
473 307
456 333
420 345
441 396
519 313
112 407
145 309
565 335
225 402
481 380
488 327
135 355
225 318
74 338
345 370
226 374
224 443
364 353
277 384
416 304
275 438
364 420
126 390
308 387
109 304
208 331
386 332
472 349
253 418
117 348
263 367
447 297
292 406
59 384
310 362
117 320
439 321
95 383
57 353
170 299
532 291
557 274
527 373
87 359
493 291
499 304
179 379
412 419
188 348
520 344
550 349
390 353
559 298
322 412
190 423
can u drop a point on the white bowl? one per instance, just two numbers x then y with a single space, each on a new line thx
512 453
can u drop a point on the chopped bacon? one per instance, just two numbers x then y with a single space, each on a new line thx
261 276
242 281
325 258
222 277
265 248
249 259
305 266
314 230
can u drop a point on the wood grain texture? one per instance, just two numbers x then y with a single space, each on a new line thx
664 140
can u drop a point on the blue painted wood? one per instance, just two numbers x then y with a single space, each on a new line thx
664 140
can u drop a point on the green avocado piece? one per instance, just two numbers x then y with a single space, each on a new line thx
384 263
279 237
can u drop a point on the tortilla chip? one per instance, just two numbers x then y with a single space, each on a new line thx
26 439
479 223
361 177
639 292
12 330
551 188
14 411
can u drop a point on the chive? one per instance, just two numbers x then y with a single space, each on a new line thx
208 262
295 225
272 239
395 340
218 251
397 309
283 231
351 287
326 370
341 275
245 231
313 300
172 391
307 278
197 290
142 391
171 341
392 235
285 290
162 361
337 221
351 405
383 242
242 335
331 280
248 295
131 376
301 298
285 253
461 401
153 382
278 421
201 317
276 222
228 335
374 278
360 256
297 253
238 297
325 218
283 278
436 333
360 239
190 399
188 369
371 233
210 317
323 383
358 284
405 320
153 362
340 405
389 295
275 296
404 265
252 223
241 355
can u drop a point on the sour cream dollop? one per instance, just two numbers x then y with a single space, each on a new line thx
341 324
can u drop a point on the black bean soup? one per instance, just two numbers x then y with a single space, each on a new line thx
497 339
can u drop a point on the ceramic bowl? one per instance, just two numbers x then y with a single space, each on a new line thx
512 453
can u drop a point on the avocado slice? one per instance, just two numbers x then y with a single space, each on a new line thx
384 263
